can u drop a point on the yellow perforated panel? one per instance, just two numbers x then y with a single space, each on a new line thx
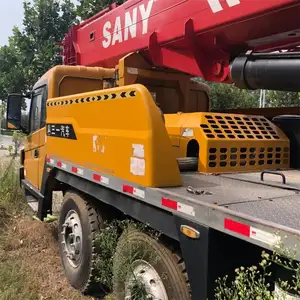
231 143
239 127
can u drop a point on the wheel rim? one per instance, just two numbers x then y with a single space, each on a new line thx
72 238
144 273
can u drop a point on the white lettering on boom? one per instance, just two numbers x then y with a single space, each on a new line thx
119 32
216 6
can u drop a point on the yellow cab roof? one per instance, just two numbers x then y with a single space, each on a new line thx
57 73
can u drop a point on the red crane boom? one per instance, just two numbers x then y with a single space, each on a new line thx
198 37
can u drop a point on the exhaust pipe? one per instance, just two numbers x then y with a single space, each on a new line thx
270 71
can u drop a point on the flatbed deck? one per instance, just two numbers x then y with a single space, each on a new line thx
240 204
283 210
267 204
277 203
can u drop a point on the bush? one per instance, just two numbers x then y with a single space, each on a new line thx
11 150
17 139
106 243
7 132
253 282
11 198
249 283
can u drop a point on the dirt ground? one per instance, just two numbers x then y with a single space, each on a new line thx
29 263
4 155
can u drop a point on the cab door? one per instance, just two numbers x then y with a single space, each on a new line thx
35 142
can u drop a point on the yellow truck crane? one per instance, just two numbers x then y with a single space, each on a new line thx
131 136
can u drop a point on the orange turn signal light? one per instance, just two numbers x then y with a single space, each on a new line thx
190 232
11 126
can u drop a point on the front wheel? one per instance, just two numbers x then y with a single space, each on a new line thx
145 269
79 223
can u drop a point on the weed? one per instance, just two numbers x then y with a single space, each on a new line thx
133 259
10 150
138 290
249 283
106 242
110 297
11 199
253 282
17 139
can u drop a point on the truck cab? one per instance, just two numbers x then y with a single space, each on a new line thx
57 82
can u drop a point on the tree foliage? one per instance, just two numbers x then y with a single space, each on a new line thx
282 99
225 96
11 71
88 8
34 49
45 24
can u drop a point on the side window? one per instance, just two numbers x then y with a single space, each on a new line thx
37 116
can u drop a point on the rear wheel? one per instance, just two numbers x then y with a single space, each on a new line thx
145 269
79 223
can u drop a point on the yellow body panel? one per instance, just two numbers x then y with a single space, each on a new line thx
119 135
31 164
179 127
70 80
231 143
34 166
42 154
60 81
174 91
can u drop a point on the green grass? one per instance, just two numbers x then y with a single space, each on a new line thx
14 284
11 199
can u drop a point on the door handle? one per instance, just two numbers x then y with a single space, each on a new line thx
36 153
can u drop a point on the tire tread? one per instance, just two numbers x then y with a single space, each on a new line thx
171 258
96 222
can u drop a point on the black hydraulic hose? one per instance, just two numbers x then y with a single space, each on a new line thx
271 71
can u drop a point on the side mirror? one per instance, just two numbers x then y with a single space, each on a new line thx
14 115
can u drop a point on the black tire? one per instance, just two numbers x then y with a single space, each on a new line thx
169 266
187 163
81 277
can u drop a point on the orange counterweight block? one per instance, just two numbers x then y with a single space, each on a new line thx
227 143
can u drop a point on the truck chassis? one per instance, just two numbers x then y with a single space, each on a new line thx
237 210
